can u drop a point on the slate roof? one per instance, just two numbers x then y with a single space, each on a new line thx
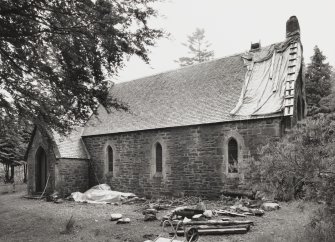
209 92
199 94
71 146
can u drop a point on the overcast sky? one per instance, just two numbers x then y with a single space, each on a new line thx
231 26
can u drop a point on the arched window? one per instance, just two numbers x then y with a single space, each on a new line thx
299 111
232 156
159 158
110 158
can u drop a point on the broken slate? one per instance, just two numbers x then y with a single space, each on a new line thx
269 206
123 221
116 216
208 213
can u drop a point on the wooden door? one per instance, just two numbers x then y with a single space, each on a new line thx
41 170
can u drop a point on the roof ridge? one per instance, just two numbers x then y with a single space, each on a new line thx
189 66
179 68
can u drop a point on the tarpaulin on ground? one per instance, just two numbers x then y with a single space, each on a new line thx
268 69
101 194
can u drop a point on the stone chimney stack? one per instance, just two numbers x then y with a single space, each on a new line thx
292 27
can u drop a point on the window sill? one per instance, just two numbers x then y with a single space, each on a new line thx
158 175
233 175
110 174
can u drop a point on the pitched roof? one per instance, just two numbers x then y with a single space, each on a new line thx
198 94
71 146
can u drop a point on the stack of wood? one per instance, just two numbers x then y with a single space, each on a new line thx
200 219
218 227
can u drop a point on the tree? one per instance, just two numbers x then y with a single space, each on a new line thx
14 137
198 49
318 81
56 56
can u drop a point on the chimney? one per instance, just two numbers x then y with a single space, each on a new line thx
292 27
255 46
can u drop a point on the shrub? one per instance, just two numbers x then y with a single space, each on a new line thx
301 165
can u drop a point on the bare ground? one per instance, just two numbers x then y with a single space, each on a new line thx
37 220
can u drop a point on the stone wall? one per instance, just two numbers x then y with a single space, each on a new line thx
71 176
194 157
66 175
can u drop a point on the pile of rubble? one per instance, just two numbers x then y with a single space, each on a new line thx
216 221
229 215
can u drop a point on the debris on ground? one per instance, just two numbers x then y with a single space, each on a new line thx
215 218
53 197
59 200
150 211
150 217
270 206
123 221
208 213
188 213
101 194
115 216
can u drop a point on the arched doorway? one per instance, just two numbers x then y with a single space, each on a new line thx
41 169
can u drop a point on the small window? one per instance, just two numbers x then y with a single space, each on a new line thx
159 158
232 156
110 158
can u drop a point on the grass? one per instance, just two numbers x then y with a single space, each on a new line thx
69 226
36 220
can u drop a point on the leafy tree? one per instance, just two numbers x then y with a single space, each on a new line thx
56 56
318 81
198 49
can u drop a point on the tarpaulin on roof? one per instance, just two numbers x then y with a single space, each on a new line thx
265 81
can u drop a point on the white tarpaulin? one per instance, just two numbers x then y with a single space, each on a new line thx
100 194
268 70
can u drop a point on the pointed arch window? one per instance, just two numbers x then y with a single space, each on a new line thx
299 109
110 158
159 157
232 156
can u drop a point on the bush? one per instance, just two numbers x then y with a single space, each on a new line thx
301 165
321 227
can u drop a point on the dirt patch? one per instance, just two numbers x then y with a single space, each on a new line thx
36 220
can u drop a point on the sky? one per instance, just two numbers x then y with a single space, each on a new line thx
231 26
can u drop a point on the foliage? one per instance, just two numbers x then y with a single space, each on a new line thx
56 55
14 137
318 81
327 104
302 163
12 141
198 49
321 227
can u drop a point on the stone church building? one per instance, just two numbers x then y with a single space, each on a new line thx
188 131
